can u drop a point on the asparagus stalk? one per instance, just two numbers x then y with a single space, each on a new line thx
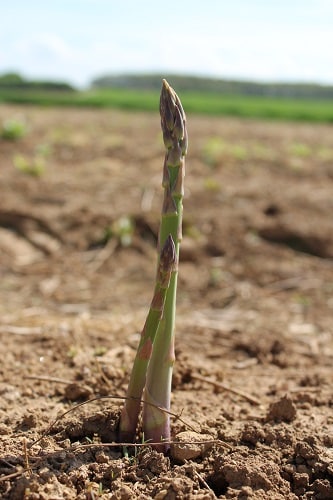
158 383
131 409
155 353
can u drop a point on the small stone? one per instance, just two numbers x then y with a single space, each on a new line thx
190 445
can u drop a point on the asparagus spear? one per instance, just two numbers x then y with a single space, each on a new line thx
158 384
131 409
155 352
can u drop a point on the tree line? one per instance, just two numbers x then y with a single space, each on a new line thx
214 85
14 81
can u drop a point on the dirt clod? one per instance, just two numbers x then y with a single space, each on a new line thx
76 392
283 410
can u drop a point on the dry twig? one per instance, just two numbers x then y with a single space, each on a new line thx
242 394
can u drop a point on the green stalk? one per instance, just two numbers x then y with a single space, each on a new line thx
155 354
159 375
131 409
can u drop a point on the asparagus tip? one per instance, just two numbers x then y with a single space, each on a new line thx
165 84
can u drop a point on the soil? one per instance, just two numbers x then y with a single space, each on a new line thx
254 339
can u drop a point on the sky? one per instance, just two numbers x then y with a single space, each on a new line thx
79 40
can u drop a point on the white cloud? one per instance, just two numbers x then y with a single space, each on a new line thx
44 46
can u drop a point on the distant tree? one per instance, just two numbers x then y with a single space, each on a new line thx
10 78
13 80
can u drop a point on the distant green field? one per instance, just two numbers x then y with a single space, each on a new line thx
194 102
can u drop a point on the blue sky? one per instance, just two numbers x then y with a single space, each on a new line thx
77 40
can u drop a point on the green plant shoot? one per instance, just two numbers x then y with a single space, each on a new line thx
153 364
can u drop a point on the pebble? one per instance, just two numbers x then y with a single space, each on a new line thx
189 445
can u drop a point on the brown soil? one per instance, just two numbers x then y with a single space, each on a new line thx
254 311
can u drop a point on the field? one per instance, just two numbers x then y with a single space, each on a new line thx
79 210
206 103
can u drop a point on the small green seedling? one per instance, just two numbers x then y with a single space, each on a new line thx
152 370
13 129
34 164
34 167
212 151
122 229
300 150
